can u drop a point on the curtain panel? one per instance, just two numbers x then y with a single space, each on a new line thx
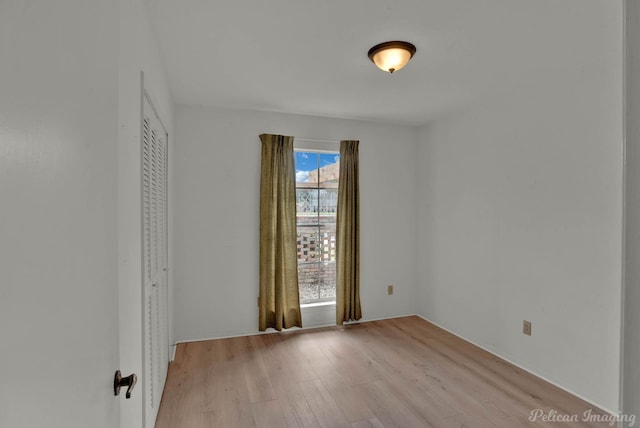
348 236
279 300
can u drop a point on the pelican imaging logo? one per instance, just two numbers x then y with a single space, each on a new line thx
589 415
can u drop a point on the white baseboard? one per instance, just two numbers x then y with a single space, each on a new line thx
256 333
173 352
520 366
362 321
312 327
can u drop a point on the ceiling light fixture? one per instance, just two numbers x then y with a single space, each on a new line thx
391 56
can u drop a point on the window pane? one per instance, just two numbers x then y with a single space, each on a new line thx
329 170
327 281
307 206
317 282
327 242
309 244
316 206
328 202
306 168
308 282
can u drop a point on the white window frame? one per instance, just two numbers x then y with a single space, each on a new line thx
322 147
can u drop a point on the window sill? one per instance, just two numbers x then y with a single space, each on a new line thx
314 305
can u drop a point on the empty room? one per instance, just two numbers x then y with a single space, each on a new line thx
367 213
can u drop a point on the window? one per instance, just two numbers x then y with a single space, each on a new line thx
317 176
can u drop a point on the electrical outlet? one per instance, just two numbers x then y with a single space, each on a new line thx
390 289
526 327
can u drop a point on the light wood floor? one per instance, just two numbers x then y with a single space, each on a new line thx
403 372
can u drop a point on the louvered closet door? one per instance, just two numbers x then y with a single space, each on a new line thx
154 246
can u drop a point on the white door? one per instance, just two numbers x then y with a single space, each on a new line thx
155 255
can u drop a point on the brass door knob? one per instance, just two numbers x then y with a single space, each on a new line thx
119 382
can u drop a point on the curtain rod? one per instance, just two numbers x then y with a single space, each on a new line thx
315 140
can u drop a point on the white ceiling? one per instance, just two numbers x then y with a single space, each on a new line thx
310 57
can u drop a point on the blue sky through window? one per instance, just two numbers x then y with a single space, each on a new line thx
309 161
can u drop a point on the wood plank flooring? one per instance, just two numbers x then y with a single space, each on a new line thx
402 372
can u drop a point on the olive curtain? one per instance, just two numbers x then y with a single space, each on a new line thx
348 236
278 301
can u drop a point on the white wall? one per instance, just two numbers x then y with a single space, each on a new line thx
520 218
137 52
58 212
631 355
216 199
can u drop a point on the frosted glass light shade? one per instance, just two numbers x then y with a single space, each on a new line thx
391 56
